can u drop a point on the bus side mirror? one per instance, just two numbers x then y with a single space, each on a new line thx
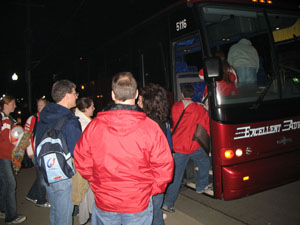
213 69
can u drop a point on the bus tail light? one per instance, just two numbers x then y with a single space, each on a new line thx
245 178
229 154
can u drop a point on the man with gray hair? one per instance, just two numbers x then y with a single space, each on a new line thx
126 158
59 194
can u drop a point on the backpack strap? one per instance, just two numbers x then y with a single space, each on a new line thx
60 123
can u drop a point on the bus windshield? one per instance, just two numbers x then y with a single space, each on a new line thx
266 71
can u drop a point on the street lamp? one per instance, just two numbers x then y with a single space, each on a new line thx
14 77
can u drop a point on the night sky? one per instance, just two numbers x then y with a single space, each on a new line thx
60 32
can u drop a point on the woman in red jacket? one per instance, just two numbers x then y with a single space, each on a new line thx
7 179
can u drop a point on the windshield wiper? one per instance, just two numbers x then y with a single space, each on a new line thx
262 95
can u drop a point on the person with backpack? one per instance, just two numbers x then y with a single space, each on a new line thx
8 205
37 192
57 133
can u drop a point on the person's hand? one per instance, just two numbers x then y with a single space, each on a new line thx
15 149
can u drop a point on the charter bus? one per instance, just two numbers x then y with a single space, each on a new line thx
255 134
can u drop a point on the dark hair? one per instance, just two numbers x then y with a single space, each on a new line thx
43 99
187 90
124 86
155 101
83 103
5 100
225 66
60 89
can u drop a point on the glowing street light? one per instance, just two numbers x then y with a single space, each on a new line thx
14 77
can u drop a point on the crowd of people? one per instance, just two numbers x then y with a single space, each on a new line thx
128 164
122 157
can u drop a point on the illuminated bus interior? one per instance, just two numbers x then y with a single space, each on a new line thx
226 26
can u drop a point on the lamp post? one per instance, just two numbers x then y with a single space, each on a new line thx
14 76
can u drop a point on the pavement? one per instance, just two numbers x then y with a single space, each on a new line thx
40 216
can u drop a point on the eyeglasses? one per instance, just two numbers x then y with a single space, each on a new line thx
75 93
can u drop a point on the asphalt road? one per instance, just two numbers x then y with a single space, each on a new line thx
279 206
40 216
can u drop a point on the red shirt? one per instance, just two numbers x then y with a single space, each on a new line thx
224 88
6 146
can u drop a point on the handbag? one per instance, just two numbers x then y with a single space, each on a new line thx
202 138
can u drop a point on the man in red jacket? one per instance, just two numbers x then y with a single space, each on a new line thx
126 158
185 147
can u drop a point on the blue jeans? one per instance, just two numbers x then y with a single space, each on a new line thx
100 217
8 190
157 212
37 190
247 75
59 196
201 159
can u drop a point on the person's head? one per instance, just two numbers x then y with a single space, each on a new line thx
221 55
225 66
154 100
85 105
187 90
8 104
64 93
41 103
124 88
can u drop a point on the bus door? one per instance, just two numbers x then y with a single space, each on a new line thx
187 63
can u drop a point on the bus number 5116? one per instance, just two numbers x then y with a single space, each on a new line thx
181 25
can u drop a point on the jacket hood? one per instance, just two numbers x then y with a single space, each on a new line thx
245 41
52 112
122 119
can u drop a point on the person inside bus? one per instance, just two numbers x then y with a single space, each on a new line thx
228 85
244 58
185 147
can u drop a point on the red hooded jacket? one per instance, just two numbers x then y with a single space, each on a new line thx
126 158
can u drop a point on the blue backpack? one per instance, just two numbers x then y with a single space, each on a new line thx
52 155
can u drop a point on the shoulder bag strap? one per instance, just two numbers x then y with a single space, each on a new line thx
186 104
178 122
